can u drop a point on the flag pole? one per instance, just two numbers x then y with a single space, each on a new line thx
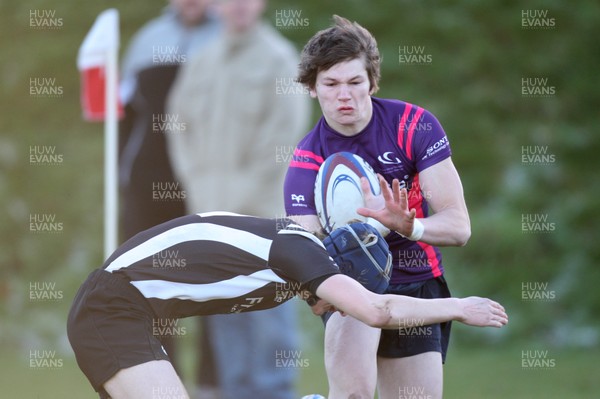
111 209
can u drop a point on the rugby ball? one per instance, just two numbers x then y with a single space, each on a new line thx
337 189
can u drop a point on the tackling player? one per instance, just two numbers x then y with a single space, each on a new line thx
406 145
233 263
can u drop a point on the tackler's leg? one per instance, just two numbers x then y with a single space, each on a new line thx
153 379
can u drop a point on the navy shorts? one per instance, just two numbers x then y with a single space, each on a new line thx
414 338
110 328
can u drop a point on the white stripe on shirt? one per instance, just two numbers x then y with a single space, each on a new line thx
241 239
232 288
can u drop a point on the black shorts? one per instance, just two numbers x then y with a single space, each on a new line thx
110 328
415 338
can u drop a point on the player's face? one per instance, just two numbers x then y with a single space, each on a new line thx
344 94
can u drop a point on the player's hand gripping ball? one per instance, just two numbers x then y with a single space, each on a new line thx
361 253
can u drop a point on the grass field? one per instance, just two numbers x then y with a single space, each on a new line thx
474 85
492 371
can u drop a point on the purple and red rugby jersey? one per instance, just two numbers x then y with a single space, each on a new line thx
400 141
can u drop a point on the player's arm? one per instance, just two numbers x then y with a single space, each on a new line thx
449 225
391 311
298 189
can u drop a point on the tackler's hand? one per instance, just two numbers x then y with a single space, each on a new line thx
482 312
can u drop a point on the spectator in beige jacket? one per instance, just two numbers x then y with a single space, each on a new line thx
240 113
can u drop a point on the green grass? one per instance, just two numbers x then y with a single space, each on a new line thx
484 371
496 372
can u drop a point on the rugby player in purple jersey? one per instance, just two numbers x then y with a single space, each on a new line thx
407 146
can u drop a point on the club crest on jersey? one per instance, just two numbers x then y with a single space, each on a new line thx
298 198
389 158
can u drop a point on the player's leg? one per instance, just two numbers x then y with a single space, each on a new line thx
410 359
350 358
414 376
152 379
109 329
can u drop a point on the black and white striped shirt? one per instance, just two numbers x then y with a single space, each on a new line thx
219 262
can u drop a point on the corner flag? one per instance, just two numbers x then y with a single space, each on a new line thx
97 62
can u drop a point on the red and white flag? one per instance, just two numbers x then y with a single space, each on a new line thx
101 42
97 60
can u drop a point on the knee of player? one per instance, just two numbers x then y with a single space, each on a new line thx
360 395
359 390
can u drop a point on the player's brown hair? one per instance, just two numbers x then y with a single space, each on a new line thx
344 41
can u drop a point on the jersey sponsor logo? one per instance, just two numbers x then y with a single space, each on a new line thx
389 158
298 198
437 147
241 307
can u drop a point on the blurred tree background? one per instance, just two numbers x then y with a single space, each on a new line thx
481 60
